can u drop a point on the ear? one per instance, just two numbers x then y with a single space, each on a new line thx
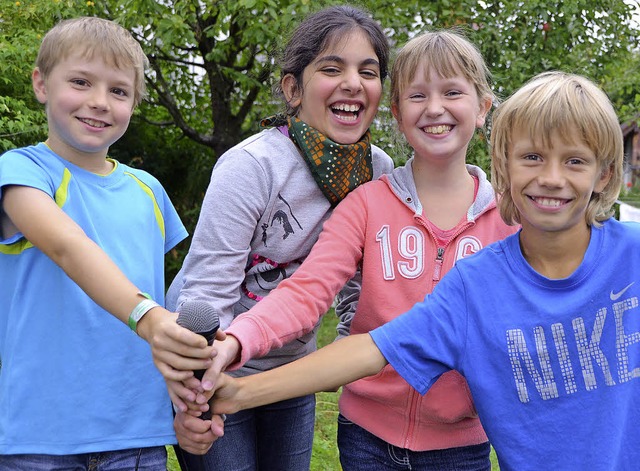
39 86
602 182
291 91
395 111
485 106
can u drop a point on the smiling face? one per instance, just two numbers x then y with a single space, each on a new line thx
551 185
438 115
89 104
341 89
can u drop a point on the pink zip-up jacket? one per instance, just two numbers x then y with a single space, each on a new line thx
380 226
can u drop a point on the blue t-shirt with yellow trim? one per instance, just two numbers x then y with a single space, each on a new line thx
73 378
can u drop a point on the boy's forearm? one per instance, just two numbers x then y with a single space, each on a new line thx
330 367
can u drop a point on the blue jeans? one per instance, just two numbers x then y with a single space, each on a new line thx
275 437
139 459
363 451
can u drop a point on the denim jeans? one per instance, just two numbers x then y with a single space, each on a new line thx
138 459
275 437
363 451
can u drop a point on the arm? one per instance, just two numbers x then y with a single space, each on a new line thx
176 351
338 363
294 307
215 266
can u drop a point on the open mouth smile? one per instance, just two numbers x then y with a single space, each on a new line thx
93 123
440 129
549 202
346 112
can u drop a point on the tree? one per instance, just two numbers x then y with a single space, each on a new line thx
213 64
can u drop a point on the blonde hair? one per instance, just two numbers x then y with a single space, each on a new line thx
448 53
570 105
92 36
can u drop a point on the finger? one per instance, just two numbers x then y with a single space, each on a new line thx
210 377
217 425
177 402
181 363
170 373
193 384
197 407
178 389
202 398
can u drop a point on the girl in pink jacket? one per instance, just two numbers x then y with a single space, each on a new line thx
405 231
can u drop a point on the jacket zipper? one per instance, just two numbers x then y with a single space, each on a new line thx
437 269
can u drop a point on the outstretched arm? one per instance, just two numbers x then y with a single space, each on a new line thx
176 351
337 364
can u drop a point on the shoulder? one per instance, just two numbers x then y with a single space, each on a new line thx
372 188
266 152
381 161
24 155
142 176
263 144
35 166
619 233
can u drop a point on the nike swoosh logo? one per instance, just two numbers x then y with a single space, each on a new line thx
615 296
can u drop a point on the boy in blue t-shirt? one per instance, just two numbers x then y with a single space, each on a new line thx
545 324
82 236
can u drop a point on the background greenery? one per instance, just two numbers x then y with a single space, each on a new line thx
213 65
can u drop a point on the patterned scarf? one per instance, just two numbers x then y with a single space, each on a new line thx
337 169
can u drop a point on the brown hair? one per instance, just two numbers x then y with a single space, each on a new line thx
92 36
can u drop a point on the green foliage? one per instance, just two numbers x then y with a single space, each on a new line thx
23 23
213 65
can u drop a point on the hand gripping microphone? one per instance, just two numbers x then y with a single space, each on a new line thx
201 318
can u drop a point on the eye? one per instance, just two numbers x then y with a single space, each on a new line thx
531 157
453 93
330 70
80 82
369 73
416 96
120 92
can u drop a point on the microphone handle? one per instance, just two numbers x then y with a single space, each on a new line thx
210 335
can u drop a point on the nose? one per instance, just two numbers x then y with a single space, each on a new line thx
551 175
434 106
352 81
98 98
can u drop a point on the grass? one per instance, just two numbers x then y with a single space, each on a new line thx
325 450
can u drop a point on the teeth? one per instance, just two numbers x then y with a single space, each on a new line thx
551 202
442 129
346 107
94 123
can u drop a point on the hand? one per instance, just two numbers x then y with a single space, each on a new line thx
226 352
184 394
177 352
196 435
226 398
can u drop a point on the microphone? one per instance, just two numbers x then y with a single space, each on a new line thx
199 317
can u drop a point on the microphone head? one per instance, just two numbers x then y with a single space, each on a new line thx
199 317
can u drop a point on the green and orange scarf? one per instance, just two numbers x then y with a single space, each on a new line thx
336 168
